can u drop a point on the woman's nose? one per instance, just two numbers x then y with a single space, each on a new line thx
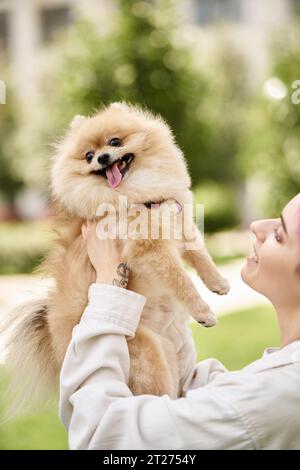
259 228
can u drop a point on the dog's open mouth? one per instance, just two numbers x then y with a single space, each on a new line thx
115 172
154 204
157 204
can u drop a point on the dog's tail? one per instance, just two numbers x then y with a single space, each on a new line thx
28 356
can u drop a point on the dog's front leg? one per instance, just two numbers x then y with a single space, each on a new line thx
170 268
198 257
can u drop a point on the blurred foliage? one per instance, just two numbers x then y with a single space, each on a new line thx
143 60
219 201
225 108
22 246
146 59
272 147
10 181
226 342
148 55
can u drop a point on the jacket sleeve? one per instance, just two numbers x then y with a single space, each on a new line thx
97 407
196 375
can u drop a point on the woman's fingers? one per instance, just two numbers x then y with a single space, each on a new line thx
89 234
90 224
89 227
105 254
83 231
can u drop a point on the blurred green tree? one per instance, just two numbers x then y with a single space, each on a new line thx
10 180
226 110
274 149
147 57
142 59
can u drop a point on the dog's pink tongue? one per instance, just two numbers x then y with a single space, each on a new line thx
114 176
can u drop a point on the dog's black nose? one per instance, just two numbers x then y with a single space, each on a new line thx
103 159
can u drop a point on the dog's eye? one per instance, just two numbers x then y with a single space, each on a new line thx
115 142
89 156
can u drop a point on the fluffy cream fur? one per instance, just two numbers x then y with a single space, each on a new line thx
157 173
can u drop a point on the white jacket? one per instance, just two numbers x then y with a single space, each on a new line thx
257 407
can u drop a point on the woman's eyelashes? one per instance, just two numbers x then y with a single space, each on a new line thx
277 235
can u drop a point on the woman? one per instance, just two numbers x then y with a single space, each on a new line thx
257 407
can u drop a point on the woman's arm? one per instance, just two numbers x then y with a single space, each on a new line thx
96 366
96 405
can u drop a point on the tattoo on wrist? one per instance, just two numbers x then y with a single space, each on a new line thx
123 272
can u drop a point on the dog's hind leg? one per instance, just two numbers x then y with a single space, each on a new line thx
153 364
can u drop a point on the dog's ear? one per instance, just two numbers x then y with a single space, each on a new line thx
76 121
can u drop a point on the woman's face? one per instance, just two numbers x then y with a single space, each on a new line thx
273 268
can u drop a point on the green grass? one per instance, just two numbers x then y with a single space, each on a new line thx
38 432
23 246
238 339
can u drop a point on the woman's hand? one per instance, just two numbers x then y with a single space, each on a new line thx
106 257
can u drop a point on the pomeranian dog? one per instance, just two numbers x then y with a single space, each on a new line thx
120 151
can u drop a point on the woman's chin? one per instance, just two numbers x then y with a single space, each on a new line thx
249 271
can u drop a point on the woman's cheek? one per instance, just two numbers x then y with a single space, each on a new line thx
262 276
273 272
271 259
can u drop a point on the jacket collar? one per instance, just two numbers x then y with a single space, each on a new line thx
275 357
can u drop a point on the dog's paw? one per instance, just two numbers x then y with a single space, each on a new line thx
220 287
205 317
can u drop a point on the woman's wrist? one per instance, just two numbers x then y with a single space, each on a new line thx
104 279
117 277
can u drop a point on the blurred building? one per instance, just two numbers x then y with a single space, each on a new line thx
255 12
26 25
251 22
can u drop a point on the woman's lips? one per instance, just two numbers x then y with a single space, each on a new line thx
253 256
